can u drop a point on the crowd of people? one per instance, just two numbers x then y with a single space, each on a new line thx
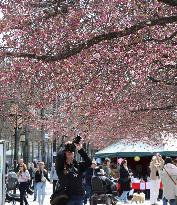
33 178
72 180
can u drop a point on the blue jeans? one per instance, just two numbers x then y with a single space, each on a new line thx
171 201
41 192
88 190
75 200
123 196
35 189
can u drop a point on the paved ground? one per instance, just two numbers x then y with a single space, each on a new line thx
31 197
49 192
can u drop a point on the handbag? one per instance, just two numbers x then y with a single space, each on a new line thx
59 197
29 191
172 181
43 179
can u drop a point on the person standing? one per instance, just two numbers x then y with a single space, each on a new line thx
36 167
32 174
53 176
20 162
6 168
70 174
169 178
125 181
106 167
41 176
87 180
23 179
155 165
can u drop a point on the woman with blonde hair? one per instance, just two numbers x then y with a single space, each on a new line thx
155 165
23 179
106 167
41 176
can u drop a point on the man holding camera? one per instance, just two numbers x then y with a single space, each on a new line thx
70 190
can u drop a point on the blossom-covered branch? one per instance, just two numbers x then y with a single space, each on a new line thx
165 108
169 2
79 47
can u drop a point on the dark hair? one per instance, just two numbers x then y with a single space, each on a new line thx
168 160
123 162
69 147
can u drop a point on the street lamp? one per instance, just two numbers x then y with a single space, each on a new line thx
14 113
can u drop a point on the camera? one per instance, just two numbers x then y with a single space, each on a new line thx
77 139
70 146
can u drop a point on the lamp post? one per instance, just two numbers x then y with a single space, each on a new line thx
14 113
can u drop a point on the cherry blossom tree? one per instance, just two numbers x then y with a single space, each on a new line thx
108 67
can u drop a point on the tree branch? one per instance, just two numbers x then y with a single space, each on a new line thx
149 39
168 67
165 39
161 81
80 46
168 81
168 107
169 2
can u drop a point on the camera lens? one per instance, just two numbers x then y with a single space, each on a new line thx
77 139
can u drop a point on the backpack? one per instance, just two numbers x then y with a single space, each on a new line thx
98 185
12 181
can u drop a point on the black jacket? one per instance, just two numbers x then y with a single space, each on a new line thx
70 176
124 180
38 175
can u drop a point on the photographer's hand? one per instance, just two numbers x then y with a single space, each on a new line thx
78 146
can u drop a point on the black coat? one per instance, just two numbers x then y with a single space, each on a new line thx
71 175
124 180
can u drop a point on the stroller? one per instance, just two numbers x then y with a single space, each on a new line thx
103 191
11 186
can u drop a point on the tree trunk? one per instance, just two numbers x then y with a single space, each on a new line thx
43 150
26 149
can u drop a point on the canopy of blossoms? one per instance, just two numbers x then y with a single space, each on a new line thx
104 69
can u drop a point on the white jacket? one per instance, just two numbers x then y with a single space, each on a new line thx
169 188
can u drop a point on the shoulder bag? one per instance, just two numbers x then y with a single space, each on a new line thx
173 182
